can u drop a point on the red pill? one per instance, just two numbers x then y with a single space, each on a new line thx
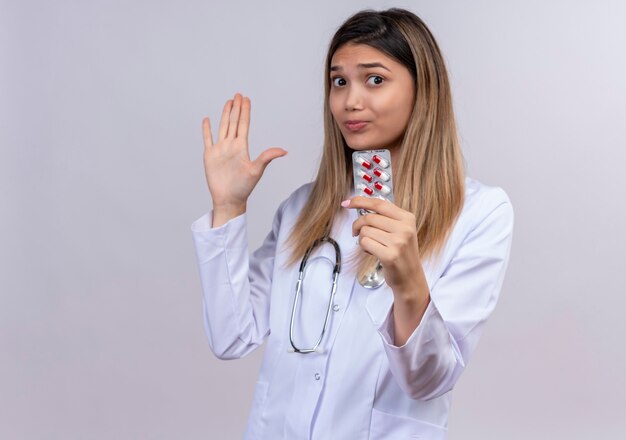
363 162
380 173
366 189
364 175
382 188
380 161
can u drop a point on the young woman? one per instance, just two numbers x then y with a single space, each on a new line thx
379 360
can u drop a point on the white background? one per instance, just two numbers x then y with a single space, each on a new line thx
101 176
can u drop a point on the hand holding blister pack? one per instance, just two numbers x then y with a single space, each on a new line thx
371 171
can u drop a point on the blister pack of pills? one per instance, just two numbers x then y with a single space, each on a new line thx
371 171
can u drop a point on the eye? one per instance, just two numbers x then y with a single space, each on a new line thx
338 81
375 80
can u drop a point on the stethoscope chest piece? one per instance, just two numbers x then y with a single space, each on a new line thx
373 280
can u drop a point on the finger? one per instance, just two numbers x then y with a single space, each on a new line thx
233 119
223 130
261 162
206 132
373 247
244 119
377 221
380 206
382 237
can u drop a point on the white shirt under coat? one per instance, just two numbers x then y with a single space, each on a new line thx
361 386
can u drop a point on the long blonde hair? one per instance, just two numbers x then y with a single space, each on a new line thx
430 174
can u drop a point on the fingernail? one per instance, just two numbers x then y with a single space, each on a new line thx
345 203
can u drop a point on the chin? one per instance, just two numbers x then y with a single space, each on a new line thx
361 144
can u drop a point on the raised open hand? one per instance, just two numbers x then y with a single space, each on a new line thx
231 175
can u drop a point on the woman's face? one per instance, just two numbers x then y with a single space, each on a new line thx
371 97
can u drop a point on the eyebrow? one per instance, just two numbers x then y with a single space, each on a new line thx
361 66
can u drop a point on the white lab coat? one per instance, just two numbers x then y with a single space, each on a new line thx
360 386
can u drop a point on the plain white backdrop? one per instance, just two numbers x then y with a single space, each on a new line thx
101 175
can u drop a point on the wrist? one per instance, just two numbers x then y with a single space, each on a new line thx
415 295
222 213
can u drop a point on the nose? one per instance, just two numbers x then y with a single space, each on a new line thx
354 99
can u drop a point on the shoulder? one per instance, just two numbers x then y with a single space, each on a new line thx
485 220
293 204
484 227
298 197
483 201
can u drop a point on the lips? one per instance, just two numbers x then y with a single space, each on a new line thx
355 125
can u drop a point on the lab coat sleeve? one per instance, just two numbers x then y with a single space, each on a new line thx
431 361
235 284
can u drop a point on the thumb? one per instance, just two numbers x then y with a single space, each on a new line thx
261 162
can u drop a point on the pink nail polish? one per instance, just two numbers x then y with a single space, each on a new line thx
345 203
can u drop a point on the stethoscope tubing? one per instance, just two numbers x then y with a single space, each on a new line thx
336 271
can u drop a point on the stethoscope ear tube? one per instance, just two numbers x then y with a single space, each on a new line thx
315 244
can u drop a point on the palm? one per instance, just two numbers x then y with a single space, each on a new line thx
231 175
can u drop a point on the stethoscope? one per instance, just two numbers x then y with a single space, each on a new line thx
370 281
